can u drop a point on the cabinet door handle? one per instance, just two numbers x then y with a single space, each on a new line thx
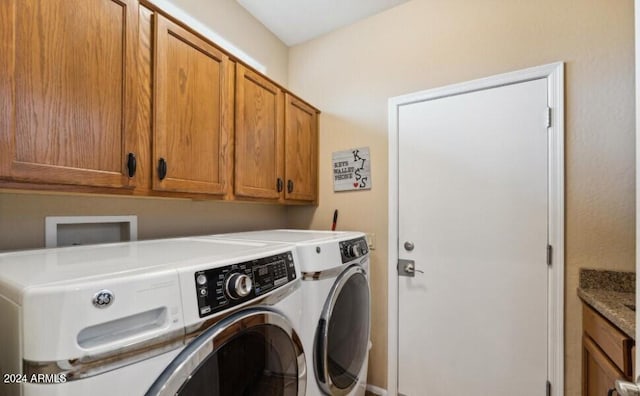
625 388
280 184
289 186
162 168
131 164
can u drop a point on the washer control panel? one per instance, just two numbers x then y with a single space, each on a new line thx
353 249
224 287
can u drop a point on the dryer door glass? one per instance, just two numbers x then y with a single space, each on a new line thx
342 339
257 354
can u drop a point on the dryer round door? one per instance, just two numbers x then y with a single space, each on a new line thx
253 352
342 337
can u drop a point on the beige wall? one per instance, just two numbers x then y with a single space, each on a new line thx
22 215
228 19
350 74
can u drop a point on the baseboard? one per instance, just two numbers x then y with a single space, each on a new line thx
376 390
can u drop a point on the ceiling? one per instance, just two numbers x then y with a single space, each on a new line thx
296 21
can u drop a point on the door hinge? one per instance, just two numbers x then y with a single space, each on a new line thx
549 254
548 388
548 117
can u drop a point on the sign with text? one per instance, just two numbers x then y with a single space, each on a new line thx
352 169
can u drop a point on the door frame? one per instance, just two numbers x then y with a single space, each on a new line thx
554 74
637 118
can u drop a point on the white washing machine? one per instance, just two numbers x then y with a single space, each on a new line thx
181 316
336 317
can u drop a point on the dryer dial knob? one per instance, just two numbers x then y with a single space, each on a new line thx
355 251
238 286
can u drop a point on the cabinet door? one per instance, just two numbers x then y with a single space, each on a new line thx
192 112
599 374
301 150
67 106
258 136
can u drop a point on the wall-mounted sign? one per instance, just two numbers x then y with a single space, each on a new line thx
352 169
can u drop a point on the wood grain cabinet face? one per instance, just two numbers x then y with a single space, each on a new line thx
606 354
301 150
599 374
259 136
193 112
67 104
87 84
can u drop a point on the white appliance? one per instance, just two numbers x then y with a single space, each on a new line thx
336 316
171 316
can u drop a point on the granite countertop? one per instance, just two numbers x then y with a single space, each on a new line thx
610 293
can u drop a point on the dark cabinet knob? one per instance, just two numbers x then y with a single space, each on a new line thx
162 168
280 185
131 164
289 186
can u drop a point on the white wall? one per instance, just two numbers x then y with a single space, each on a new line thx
349 74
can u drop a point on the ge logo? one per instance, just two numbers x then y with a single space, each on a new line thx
103 298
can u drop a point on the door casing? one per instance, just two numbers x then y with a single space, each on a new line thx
637 38
554 74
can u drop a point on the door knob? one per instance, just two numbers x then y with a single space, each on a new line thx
408 268
408 246
411 267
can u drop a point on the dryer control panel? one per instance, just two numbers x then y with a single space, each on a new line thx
353 249
224 287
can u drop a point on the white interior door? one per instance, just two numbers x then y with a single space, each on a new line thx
473 201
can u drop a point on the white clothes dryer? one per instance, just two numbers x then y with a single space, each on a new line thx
336 301
180 316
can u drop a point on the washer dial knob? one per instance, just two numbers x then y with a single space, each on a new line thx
238 285
354 251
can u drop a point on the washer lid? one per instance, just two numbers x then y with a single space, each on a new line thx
78 264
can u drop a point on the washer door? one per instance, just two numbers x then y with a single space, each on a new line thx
253 352
342 337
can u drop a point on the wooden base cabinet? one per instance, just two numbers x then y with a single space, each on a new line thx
599 374
606 354
67 91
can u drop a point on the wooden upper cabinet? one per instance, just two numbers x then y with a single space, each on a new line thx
67 99
193 112
259 135
301 150
92 91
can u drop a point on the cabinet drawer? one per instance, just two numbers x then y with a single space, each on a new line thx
613 342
